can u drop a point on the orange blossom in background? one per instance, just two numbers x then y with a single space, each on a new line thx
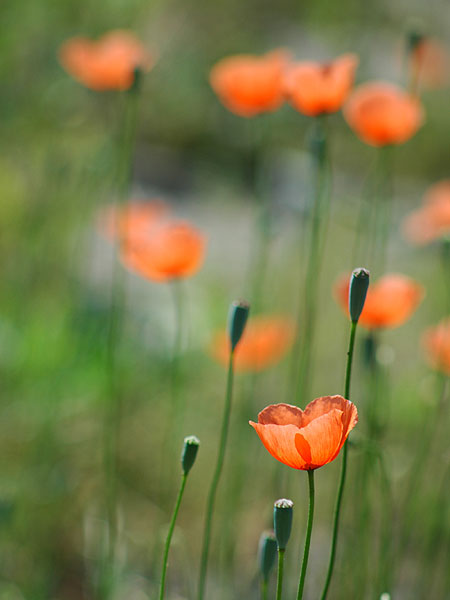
383 114
249 85
437 345
315 88
266 339
106 64
170 250
432 220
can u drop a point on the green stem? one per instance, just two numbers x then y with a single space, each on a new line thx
216 479
306 314
337 510
112 415
301 583
169 536
280 573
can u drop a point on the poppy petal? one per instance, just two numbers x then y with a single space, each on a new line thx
279 441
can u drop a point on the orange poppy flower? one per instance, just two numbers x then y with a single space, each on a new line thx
306 439
430 63
171 250
131 220
432 220
320 88
106 64
266 339
382 114
389 302
437 344
249 85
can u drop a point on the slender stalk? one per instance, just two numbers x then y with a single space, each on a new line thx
306 319
112 417
337 510
280 573
301 583
169 536
215 480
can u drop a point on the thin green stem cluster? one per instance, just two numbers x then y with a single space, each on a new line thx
215 480
343 474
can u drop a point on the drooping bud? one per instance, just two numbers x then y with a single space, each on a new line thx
189 453
267 553
359 284
237 318
282 521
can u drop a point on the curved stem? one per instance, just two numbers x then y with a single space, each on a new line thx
216 479
280 573
337 510
169 536
301 583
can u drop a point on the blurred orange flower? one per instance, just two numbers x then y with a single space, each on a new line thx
432 220
170 250
389 302
133 219
249 85
437 344
306 439
265 341
315 88
382 114
106 64
430 63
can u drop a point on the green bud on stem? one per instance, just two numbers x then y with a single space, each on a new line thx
189 453
282 521
267 553
237 318
359 284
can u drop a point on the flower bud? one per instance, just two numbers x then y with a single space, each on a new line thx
359 284
189 453
282 521
237 318
267 553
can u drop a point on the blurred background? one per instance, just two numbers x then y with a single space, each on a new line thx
57 150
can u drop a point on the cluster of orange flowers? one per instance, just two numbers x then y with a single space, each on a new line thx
379 113
160 248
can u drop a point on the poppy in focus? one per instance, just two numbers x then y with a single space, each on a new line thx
106 64
133 219
170 250
437 344
315 88
306 439
382 114
389 302
249 85
432 221
265 341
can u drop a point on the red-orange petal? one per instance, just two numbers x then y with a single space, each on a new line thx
320 88
382 114
249 85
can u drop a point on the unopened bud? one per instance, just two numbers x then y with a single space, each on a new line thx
267 553
189 453
282 521
359 284
237 318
